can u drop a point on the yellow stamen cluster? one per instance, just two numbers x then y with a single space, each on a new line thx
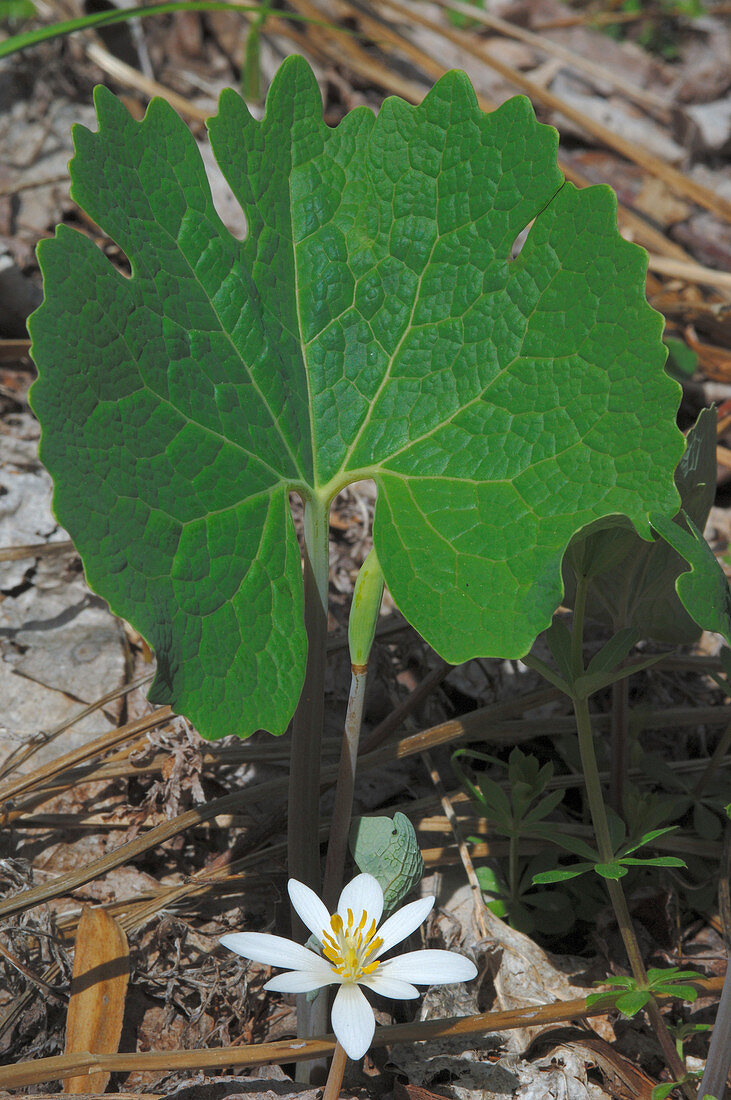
348 947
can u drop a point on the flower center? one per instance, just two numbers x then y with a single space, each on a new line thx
349 946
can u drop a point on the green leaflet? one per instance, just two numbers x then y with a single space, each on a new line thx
703 587
372 324
388 850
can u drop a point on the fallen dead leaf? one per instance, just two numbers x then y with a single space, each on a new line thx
621 1077
98 990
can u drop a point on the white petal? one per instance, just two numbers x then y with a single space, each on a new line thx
352 1020
429 968
274 950
301 981
390 987
403 922
362 894
309 908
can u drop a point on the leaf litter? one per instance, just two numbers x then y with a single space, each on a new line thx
184 993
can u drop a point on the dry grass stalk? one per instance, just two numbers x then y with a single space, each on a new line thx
35 549
84 752
298 1050
444 733
478 902
13 349
337 46
487 723
129 77
691 273
644 98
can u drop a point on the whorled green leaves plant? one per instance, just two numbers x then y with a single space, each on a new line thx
373 324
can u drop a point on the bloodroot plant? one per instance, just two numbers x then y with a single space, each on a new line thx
374 323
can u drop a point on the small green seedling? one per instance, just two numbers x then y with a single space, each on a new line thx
518 811
661 1092
706 807
629 995
682 1032
549 912
520 807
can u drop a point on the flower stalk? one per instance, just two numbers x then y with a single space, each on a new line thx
364 612
345 786
335 1076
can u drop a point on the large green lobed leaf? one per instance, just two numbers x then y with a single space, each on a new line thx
372 324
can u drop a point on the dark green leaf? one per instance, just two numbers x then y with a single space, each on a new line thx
682 361
617 828
614 652
586 685
558 640
561 874
547 673
631 1003
703 590
372 324
544 807
656 861
613 870
574 844
496 802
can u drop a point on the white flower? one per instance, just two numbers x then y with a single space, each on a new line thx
352 945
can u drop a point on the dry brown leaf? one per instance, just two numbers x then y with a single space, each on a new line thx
98 989
414 1092
621 1076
